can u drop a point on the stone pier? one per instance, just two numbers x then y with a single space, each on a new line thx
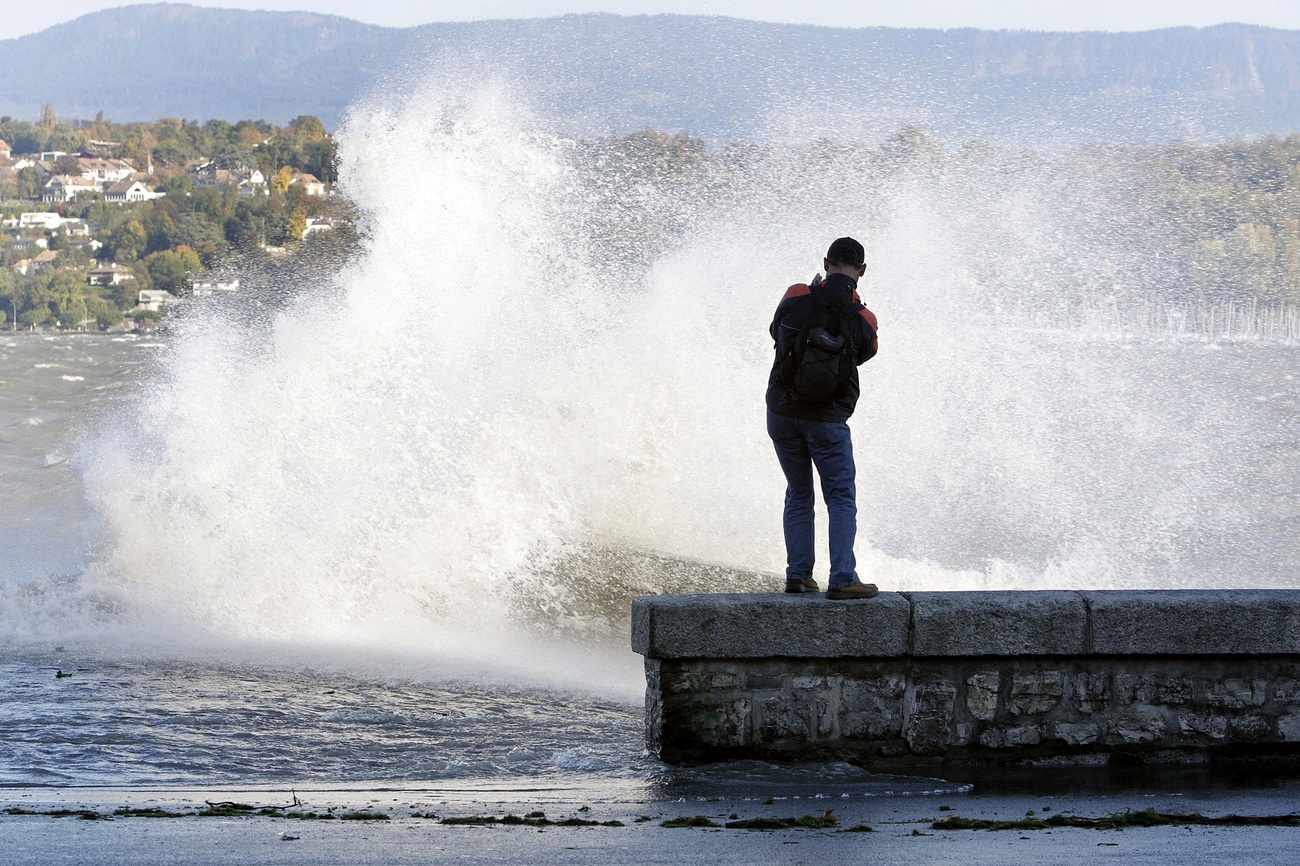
914 679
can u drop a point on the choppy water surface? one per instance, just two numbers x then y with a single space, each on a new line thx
53 389
109 721
73 718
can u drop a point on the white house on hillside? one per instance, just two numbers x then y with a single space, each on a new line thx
40 219
156 299
317 224
64 187
250 182
253 184
45 260
130 190
109 275
104 171
311 185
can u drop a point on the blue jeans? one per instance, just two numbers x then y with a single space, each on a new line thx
801 445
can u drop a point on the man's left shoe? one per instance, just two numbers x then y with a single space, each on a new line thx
805 585
852 591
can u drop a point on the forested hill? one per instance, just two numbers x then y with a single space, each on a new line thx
715 77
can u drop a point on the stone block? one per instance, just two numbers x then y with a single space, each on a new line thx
1237 694
724 681
725 725
929 717
998 623
1138 727
872 709
653 670
1194 622
683 682
982 695
1011 738
1153 689
768 625
1091 692
823 717
1250 729
654 706
1214 727
785 718
1077 733
1035 693
1023 735
765 682
1286 691
1289 727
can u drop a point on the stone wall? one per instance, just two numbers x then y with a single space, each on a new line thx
923 678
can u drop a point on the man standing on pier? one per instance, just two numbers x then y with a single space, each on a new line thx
822 333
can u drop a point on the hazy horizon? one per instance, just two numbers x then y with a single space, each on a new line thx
1107 16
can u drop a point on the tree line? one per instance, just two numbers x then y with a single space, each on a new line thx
171 142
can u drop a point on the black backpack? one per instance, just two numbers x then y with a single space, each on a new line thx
818 366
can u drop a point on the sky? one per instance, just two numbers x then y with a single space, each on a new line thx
1113 15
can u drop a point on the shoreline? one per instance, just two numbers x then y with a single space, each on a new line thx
901 828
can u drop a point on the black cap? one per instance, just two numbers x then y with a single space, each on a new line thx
847 251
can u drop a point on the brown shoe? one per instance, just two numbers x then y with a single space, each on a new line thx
852 591
805 585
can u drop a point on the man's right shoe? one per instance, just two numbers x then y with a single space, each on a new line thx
852 591
805 585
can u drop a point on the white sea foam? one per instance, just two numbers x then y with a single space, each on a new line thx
426 450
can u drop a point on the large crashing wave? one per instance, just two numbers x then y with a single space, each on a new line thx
496 419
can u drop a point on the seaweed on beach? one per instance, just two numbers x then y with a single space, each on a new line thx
147 812
226 809
83 814
213 810
805 822
697 821
365 816
1120 821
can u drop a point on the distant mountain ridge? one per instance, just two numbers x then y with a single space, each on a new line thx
720 78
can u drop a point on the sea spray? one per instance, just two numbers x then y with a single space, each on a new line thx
496 425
